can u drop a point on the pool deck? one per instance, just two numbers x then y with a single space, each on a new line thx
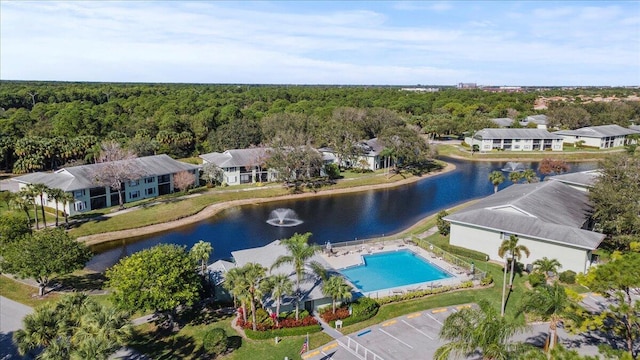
348 256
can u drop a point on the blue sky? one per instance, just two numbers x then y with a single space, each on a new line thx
323 42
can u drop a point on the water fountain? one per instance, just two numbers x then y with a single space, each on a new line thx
512 166
284 218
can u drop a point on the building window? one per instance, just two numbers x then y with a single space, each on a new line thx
150 191
164 179
78 193
79 205
148 180
134 182
134 194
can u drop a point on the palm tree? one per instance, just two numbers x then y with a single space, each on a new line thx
515 176
338 289
66 198
40 329
102 331
201 252
254 277
40 190
32 192
530 176
22 201
56 195
496 178
546 266
511 247
235 283
279 285
550 302
483 329
300 254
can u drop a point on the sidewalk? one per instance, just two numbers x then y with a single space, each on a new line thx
327 329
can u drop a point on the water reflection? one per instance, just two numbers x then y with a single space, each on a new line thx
330 218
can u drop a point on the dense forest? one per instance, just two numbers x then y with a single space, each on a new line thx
46 125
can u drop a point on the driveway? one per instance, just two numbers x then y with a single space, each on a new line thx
11 315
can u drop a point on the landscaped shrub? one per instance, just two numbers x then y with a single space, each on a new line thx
443 226
568 277
455 250
270 334
262 315
536 279
328 315
422 293
215 341
487 280
362 309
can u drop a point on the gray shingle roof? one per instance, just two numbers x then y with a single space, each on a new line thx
82 177
598 131
550 210
487 134
502 122
635 127
237 157
537 119
582 178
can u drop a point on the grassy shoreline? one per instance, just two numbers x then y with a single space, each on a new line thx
578 155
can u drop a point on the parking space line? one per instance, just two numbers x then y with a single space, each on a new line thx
400 341
418 330
436 320
438 310
411 316
390 322
460 307
327 356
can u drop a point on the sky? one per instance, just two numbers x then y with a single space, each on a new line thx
501 43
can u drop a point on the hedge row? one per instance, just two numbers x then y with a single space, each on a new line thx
422 293
270 334
456 250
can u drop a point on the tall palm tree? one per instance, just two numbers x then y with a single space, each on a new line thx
40 329
300 254
530 176
66 198
32 193
201 251
496 178
546 266
338 289
510 246
41 189
56 195
235 283
254 277
552 303
482 329
22 201
279 285
515 176
102 331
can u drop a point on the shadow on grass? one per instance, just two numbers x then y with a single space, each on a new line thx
161 345
87 282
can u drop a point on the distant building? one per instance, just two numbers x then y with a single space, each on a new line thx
539 120
467 86
601 137
156 179
420 89
369 151
242 166
515 140
503 122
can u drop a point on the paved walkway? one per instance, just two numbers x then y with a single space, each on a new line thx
327 329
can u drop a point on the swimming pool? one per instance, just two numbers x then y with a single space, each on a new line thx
392 269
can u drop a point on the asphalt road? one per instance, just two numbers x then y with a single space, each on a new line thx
11 315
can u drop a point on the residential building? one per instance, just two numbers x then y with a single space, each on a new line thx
155 178
515 140
601 137
503 122
582 180
550 218
539 120
242 166
311 296
369 156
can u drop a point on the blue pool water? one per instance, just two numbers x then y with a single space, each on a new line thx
392 269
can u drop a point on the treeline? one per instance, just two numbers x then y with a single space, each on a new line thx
45 125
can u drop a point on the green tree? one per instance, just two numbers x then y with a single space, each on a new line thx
56 195
12 227
510 246
515 176
616 280
215 341
480 329
551 303
616 200
22 200
75 327
337 289
443 226
254 275
41 189
235 282
159 279
300 255
278 285
43 255
32 192
496 178
201 251
546 266
530 176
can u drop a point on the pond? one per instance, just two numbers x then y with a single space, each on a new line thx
333 218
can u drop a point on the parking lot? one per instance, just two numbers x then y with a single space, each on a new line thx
412 336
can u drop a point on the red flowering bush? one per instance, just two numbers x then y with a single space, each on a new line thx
341 313
284 323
